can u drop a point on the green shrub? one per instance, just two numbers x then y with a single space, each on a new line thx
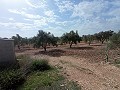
23 57
10 79
9 65
28 65
37 79
40 65
115 40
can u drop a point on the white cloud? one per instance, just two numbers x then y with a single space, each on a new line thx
96 9
11 19
37 3
87 9
64 5
32 16
87 16
35 18
49 13
51 17
16 25
39 23
96 15
66 23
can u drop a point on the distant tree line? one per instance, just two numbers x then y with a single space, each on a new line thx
101 37
44 39
19 41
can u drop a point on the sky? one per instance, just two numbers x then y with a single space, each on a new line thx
26 17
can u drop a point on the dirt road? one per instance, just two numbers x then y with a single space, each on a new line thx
90 76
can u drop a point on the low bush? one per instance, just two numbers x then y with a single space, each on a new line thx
11 79
25 57
40 65
37 79
115 40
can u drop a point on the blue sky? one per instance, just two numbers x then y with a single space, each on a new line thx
26 17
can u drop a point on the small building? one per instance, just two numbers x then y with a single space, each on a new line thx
7 53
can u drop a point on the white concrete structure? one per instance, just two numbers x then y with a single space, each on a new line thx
7 52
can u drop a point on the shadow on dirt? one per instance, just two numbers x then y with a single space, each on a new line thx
22 50
81 48
96 45
53 53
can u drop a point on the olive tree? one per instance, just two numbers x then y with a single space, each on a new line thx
114 43
71 37
44 38
17 40
88 38
115 40
102 36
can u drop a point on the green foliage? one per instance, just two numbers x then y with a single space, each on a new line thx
10 79
114 43
48 80
115 40
29 65
41 79
40 65
23 57
117 61
88 38
63 85
43 39
84 38
19 41
71 37
102 36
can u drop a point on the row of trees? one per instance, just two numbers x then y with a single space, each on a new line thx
19 41
43 39
101 37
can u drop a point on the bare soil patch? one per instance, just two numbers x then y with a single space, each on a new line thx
53 52
83 64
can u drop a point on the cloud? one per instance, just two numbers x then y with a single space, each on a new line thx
11 19
96 15
49 13
16 25
39 23
37 3
66 24
88 9
64 5
59 16
31 16
36 19
96 9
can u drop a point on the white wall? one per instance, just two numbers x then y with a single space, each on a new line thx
7 52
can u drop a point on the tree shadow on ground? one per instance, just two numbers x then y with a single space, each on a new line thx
22 50
53 52
81 48
96 45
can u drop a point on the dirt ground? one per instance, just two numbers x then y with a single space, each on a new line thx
83 64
